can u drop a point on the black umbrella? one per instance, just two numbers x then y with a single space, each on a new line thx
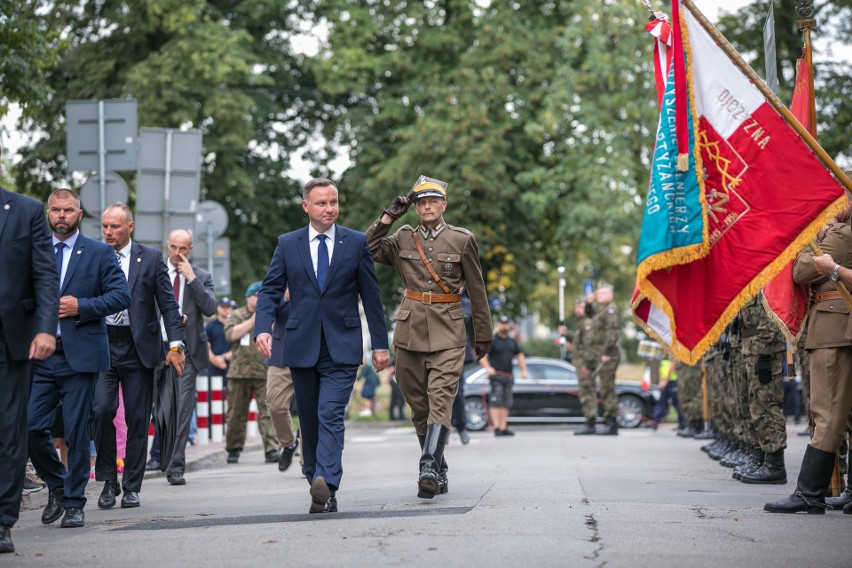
166 411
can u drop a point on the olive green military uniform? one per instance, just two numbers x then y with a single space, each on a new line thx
429 338
828 343
689 388
762 337
604 340
246 375
583 358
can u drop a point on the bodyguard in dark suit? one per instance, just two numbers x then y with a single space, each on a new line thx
136 348
91 287
327 267
29 304
193 289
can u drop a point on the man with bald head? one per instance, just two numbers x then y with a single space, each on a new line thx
194 293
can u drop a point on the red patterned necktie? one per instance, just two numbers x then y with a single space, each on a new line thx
177 286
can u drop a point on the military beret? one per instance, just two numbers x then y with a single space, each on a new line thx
253 288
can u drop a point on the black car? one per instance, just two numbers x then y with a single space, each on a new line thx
549 394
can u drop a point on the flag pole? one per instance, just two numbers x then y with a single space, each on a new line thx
770 97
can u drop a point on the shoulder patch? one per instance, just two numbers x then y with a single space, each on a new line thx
459 229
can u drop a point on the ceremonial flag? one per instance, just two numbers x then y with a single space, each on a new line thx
734 194
787 302
661 29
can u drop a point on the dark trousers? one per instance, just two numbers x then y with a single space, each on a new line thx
14 397
459 415
322 393
661 410
137 387
54 380
792 400
397 402
186 404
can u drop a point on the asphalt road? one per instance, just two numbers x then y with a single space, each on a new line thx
542 498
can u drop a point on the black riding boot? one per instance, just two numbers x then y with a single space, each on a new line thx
610 428
814 479
840 502
587 428
433 453
771 471
443 482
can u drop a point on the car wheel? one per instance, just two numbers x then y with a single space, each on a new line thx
630 411
476 413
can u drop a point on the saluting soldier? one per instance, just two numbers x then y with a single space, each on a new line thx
605 354
434 261
585 381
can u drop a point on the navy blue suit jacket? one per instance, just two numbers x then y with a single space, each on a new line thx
333 311
282 314
29 302
95 278
151 294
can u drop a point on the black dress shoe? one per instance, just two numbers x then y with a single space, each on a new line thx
176 479
130 499
152 465
107 499
73 519
54 509
320 495
287 456
329 507
273 456
6 539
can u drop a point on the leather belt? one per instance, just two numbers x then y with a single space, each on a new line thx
119 333
826 296
430 298
59 348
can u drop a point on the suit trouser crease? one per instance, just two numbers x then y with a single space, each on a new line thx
429 382
53 380
14 399
322 393
137 388
186 404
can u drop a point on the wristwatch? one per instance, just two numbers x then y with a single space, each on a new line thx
835 273
179 348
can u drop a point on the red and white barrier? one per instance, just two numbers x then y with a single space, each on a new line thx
217 409
252 430
202 409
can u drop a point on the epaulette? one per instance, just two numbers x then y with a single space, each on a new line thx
459 229
406 228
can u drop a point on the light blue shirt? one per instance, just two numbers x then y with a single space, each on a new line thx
66 258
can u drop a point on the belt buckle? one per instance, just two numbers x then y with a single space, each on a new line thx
426 297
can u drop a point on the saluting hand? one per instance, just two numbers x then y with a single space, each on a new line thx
399 206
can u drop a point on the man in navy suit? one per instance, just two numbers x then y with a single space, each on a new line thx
29 304
91 287
136 348
326 267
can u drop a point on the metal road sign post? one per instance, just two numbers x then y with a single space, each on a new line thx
212 221
101 135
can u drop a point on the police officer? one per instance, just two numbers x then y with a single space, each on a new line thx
605 354
434 261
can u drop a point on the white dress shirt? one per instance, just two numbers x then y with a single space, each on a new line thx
125 268
314 242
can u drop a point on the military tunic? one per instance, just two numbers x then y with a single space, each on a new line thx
429 338
604 338
829 346
246 375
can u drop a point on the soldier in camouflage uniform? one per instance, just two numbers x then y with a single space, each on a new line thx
586 383
604 354
743 442
765 349
434 260
247 374
689 386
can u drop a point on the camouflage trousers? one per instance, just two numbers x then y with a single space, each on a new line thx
239 399
766 405
689 386
739 402
586 392
714 365
606 380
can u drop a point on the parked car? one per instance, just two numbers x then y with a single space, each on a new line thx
549 394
